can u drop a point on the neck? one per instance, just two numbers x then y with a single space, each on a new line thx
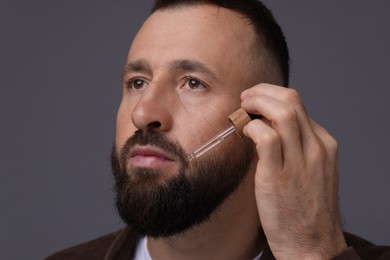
233 232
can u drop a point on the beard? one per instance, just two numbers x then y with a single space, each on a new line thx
157 206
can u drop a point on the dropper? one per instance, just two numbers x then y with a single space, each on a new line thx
238 119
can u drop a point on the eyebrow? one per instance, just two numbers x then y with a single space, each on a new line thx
185 65
137 66
193 66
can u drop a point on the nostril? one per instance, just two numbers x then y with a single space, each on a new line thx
154 124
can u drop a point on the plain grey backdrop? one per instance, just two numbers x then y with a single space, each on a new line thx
60 66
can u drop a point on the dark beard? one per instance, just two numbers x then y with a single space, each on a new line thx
161 207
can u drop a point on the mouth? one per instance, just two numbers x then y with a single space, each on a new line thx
149 157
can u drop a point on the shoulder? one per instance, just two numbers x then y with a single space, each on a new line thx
110 246
366 249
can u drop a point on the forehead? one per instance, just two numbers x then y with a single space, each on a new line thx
204 32
202 18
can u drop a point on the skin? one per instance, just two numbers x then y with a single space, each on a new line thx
291 189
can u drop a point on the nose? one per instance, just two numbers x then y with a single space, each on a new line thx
154 109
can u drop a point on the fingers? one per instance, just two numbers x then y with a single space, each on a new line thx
296 175
328 154
268 147
287 129
283 112
329 142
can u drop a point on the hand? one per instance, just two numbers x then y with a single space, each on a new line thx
296 181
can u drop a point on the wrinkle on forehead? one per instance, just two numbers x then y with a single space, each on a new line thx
213 34
229 25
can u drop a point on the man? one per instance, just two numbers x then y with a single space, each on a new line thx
271 194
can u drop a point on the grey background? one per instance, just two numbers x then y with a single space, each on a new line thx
60 65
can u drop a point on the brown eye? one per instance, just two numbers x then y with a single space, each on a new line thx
137 84
195 84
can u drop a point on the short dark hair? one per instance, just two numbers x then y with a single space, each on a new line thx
268 31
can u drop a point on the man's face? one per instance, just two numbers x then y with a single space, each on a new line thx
184 75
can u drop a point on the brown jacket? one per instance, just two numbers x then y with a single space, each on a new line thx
121 245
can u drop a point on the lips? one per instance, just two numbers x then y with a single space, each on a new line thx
149 157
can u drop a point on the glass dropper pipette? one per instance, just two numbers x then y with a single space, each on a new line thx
238 119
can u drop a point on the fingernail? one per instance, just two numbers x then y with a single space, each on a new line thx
243 94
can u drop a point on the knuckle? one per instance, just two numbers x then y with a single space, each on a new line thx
332 144
261 136
291 96
269 138
288 114
317 152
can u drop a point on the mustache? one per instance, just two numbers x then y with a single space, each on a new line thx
154 138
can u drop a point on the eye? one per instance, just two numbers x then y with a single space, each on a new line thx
136 83
193 83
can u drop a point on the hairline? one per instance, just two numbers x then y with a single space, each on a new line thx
263 59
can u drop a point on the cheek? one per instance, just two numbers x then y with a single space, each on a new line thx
198 132
124 126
